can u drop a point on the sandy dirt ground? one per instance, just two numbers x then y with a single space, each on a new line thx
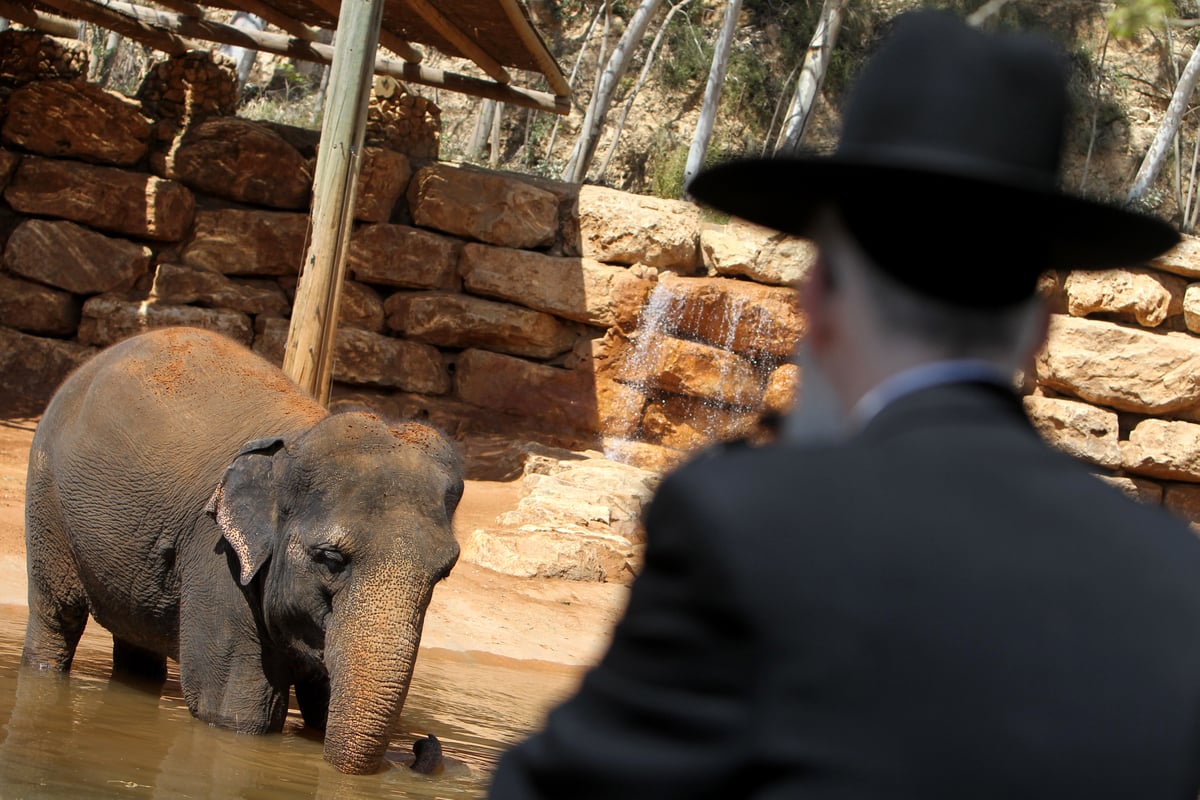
474 610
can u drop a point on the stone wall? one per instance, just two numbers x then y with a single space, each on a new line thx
494 303
486 303
1118 383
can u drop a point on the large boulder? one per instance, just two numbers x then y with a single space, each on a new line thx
183 285
75 258
486 206
33 308
739 249
460 321
1128 369
235 241
111 199
76 119
31 369
108 318
578 289
1143 296
621 228
403 256
240 160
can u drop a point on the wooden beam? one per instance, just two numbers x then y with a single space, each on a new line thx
46 23
172 27
98 14
536 47
389 40
277 18
184 7
308 355
465 44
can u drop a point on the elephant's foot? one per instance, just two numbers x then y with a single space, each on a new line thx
131 661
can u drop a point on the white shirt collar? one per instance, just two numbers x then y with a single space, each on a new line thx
921 377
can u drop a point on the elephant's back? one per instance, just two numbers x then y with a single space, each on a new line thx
130 450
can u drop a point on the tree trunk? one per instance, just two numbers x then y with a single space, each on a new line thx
589 136
1167 130
812 75
712 94
497 118
587 37
483 129
243 57
641 81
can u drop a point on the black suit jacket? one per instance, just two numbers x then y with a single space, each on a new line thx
940 607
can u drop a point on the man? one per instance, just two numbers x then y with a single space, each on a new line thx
911 595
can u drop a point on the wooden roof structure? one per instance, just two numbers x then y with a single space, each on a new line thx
496 35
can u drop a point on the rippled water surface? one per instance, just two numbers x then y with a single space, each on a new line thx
86 736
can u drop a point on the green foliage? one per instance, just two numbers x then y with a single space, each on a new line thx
1130 16
668 161
686 52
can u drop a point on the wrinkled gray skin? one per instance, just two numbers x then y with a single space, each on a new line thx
201 508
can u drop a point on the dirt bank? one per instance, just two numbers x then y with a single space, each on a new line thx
474 610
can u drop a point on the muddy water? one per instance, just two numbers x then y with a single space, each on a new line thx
86 735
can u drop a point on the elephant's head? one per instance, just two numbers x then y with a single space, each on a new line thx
348 527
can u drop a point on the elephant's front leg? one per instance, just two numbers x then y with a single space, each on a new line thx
227 677
313 698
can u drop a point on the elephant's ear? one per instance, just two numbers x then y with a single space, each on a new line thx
244 505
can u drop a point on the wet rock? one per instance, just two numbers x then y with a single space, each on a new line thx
1124 368
108 198
578 289
236 241
681 366
461 321
688 424
107 319
75 119
481 205
34 308
1078 429
617 227
1146 297
399 255
239 160
747 318
783 385
74 258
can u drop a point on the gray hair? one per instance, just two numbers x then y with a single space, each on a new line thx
1004 336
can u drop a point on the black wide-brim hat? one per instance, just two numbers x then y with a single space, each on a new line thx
946 171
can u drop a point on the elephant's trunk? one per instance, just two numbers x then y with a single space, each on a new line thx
370 651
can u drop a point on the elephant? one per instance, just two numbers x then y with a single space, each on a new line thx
201 507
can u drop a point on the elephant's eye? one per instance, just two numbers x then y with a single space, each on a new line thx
330 558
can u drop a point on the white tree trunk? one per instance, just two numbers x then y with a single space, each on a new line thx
812 75
641 81
622 54
483 129
1167 129
712 94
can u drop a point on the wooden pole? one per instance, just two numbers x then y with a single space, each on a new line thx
308 357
